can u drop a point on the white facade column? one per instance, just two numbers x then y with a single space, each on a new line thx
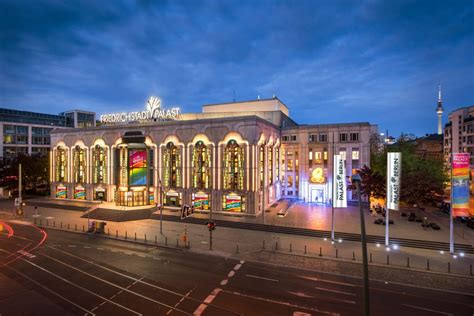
29 140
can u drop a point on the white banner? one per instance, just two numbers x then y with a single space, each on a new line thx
394 170
339 182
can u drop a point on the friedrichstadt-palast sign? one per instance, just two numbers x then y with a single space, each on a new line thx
152 112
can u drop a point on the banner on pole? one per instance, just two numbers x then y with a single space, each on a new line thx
339 182
394 170
460 185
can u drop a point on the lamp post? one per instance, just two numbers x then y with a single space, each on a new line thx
357 179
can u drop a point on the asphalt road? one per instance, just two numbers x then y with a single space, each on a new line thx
60 273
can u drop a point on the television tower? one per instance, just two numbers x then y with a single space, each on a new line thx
439 111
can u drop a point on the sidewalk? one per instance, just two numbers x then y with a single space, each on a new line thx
248 244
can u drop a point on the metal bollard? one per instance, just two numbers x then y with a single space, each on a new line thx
189 244
135 236
470 269
166 241
237 250
353 255
427 264
370 257
177 240
449 267
145 238
155 240
408 262
75 226
276 245
82 228
304 249
116 233
108 232
320 251
291 248
337 253
61 224
264 244
388 259
67 226
125 234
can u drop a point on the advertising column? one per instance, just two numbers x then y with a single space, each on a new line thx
459 191
394 168
339 191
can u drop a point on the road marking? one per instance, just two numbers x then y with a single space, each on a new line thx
128 253
87 247
26 254
143 256
100 248
301 314
262 278
280 302
71 246
231 274
299 294
327 281
181 300
237 266
207 301
156 258
428 310
334 291
224 282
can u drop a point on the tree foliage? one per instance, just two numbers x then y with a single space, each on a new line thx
35 170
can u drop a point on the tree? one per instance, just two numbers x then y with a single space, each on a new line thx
35 170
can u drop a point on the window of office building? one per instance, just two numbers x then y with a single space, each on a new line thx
342 152
293 138
343 137
323 138
318 157
99 165
79 164
201 165
233 166
354 137
355 154
172 166
325 154
61 165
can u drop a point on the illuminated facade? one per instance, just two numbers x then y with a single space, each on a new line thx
230 158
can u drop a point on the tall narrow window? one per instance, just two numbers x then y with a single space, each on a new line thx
172 166
201 166
123 166
61 164
99 165
261 164
277 159
233 166
79 164
270 165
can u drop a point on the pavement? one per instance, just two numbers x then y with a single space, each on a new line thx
49 271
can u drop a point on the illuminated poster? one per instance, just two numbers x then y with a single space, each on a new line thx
394 168
61 192
233 203
80 193
339 182
460 185
137 167
201 201
151 197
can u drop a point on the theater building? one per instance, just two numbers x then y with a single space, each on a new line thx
231 157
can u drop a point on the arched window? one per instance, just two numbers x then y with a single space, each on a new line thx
61 165
172 166
270 165
201 166
261 164
233 166
99 165
79 164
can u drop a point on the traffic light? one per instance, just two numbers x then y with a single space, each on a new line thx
211 226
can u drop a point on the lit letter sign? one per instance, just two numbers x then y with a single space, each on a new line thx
153 111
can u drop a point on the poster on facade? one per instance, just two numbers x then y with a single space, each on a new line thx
233 203
201 201
61 192
394 169
137 167
339 182
460 185
80 193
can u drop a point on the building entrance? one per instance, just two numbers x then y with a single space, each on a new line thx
317 195
131 198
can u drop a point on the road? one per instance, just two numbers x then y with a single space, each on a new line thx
60 273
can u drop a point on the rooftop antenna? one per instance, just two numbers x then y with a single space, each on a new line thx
274 96
258 97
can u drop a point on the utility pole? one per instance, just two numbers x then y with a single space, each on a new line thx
210 230
332 189
263 184
161 208
366 302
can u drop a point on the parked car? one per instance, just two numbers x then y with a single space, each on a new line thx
378 221
435 226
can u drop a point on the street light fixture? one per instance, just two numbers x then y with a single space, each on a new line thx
366 303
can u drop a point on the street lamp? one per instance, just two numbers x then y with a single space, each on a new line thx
357 180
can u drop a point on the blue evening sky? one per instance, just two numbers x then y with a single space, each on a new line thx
329 61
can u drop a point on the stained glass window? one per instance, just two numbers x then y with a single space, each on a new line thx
233 166
201 166
79 164
172 166
61 164
99 164
123 166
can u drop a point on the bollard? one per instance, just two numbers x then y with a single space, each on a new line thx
264 244
116 233
449 267
276 245
83 228
47 223
408 262
61 224
54 223
337 253
67 226
155 240
388 259
427 264
304 249
470 269
75 226
353 255
320 251
291 248
108 232
145 238
237 250
177 240
135 236
125 234
189 244
166 241
370 257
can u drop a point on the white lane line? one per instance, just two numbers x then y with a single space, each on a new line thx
201 308
300 294
181 300
109 283
156 258
261 278
143 256
52 292
71 246
281 303
333 291
301 314
87 247
128 253
224 282
327 281
237 266
428 310
231 274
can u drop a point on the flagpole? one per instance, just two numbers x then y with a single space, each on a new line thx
451 226
333 189
387 217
